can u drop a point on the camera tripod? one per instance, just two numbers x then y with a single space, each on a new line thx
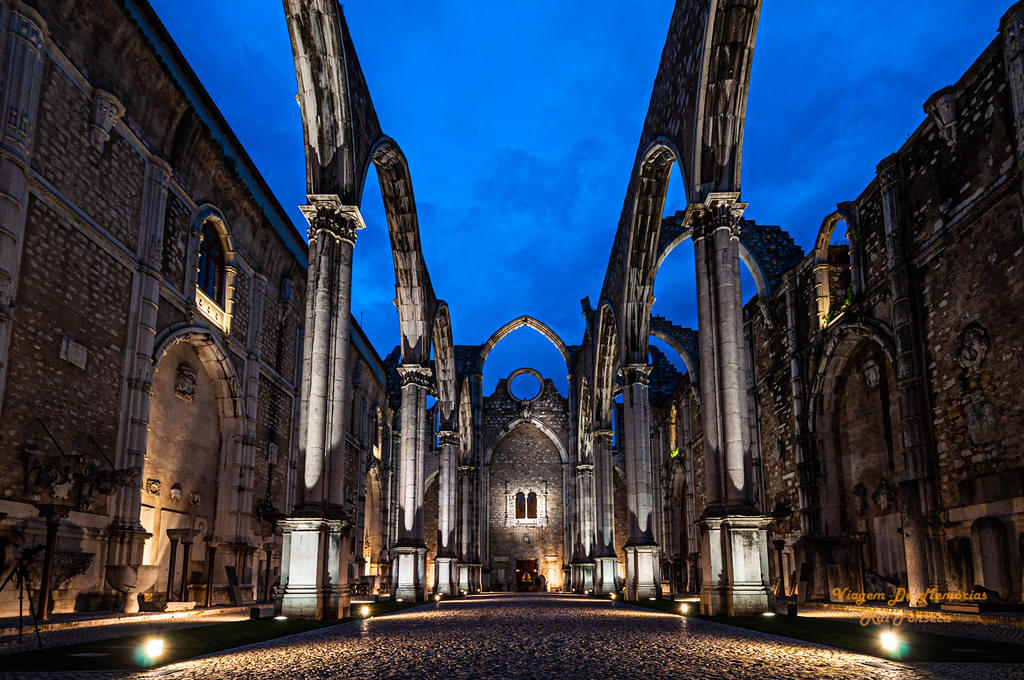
20 573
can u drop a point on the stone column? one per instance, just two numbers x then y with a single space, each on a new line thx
127 535
444 564
642 554
314 559
583 564
734 542
805 449
466 475
23 77
606 562
169 596
913 402
411 549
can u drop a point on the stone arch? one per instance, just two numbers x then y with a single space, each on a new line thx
417 306
853 417
684 352
514 325
748 256
508 428
444 365
605 367
584 431
465 410
374 549
215 360
651 185
828 305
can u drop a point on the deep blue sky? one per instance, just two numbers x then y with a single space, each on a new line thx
520 122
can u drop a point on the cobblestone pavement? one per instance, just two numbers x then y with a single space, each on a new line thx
521 636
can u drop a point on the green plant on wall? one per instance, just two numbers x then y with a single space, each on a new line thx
836 311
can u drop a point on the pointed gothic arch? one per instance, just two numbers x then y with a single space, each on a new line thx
525 321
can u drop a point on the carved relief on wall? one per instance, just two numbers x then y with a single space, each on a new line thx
982 421
871 374
176 492
972 346
153 487
884 496
185 383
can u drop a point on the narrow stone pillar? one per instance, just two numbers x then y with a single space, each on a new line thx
465 572
22 81
211 559
444 563
913 400
186 560
316 558
583 564
606 562
169 596
734 541
805 460
642 553
411 549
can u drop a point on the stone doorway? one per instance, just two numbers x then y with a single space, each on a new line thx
526 576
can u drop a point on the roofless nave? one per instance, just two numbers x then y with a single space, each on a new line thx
854 426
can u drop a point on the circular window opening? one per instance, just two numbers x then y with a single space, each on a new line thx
525 384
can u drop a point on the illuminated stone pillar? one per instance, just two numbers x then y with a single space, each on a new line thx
583 565
315 559
734 541
606 572
409 579
643 560
444 563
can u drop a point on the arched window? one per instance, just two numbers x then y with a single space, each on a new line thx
531 506
521 505
211 264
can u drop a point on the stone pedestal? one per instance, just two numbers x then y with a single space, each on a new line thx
313 579
446 576
734 563
582 574
408 574
470 575
606 573
642 572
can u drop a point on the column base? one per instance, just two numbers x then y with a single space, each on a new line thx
409 574
606 576
734 564
446 576
582 574
316 587
469 577
643 572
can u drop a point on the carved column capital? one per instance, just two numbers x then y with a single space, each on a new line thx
328 216
607 435
719 211
106 111
584 470
635 374
414 374
448 438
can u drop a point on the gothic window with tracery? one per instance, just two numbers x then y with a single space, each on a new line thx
521 505
211 265
531 506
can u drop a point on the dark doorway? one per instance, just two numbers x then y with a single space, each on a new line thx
526 576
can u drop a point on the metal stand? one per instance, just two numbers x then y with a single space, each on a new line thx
20 571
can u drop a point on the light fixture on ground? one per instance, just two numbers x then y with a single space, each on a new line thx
437 598
280 618
890 641
684 608
364 610
153 648
613 596
768 614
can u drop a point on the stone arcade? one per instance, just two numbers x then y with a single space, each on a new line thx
187 403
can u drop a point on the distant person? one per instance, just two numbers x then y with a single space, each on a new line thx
542 584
